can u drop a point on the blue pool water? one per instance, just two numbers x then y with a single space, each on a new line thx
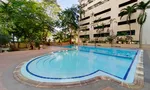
70 46
82 63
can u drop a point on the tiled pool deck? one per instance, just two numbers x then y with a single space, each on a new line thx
8 62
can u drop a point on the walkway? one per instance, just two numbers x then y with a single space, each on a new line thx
8 61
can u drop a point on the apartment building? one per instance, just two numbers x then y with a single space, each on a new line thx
102 11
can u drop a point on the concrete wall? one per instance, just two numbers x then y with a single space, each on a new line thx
146 29
115 10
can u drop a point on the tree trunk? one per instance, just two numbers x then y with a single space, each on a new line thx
26 44
111 43
71 37
140 37
31 46
95 43
18 42
14 40
130 31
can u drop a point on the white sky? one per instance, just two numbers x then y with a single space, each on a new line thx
66 3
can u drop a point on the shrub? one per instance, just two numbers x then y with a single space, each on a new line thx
4 39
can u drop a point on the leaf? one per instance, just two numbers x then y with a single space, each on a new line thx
142 18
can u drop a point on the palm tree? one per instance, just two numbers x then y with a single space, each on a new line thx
80 11
69 18
142 17
110 39
100 28
111 36
129 10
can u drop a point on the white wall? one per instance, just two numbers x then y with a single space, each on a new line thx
146 29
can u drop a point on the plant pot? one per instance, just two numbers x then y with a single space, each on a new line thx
41 46
5 49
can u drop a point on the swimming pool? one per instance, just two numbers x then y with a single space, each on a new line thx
70 46
83 63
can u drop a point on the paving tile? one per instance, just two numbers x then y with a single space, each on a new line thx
108 88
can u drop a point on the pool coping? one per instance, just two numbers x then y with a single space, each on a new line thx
137 84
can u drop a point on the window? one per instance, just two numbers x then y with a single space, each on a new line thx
127 32
97 4
102 19
127 3
107 10
98 27
90 1
84 36
125 22
85 24
85 29
101 35
85 18
83 5
126 13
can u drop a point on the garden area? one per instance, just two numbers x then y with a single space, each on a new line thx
26 24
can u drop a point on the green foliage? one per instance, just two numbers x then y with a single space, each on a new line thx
59 36
111 38
4 39
128 38
102 26
122 34
121 39
129 10
143 5
68 20
142 16
27 19
37 44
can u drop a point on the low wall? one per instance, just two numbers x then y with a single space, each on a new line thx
114 45
144 46
22 45
58 44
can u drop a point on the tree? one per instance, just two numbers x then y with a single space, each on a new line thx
129 10
110 39
111 36
69 20
100 28
142 17
59 36
128 38
26 19
80 11
6 23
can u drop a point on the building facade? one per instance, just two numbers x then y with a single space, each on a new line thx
98 12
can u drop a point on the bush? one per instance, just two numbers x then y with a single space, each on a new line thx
4 39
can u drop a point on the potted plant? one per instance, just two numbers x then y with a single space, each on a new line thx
121 40
110 39
128 39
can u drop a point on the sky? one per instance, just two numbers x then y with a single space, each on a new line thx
66 3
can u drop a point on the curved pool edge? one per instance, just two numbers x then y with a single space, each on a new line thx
137 84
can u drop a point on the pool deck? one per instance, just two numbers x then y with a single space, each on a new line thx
8 62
